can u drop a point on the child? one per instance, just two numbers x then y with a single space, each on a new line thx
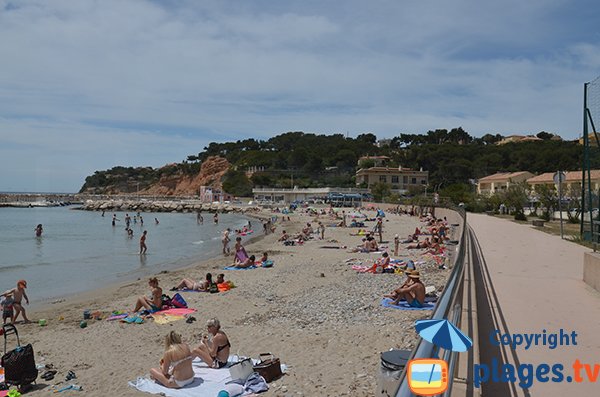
7 309
17 295
264 258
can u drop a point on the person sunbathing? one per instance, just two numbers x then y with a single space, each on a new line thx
152 303
412 290
419 245
284 236
214 351
189 284
247 263
176 364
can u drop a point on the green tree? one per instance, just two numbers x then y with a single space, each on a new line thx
516 197
380 191
548 198
237 184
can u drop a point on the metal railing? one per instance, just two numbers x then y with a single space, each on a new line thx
449 307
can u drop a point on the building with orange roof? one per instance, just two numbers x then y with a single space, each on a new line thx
501 181
572 180
399 179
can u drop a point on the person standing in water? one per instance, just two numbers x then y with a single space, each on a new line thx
114 219
216 218
199 218
143 247
225 240
39 230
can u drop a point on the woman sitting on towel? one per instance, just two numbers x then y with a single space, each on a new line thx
216 351
189 284
176 365
152 303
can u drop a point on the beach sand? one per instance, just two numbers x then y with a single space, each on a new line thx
321 318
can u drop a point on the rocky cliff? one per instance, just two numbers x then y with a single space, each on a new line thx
211 172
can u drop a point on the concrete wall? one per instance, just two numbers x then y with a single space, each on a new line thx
591 269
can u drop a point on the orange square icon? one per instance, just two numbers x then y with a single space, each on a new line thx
427 376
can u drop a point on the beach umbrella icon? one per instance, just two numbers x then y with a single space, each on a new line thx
443 333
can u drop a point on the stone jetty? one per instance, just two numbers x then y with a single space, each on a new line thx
163 206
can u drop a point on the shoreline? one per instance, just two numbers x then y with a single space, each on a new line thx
312 310
112 287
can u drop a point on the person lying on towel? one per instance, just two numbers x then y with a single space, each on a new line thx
189 284
413 291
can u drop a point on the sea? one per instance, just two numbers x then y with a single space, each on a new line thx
80 250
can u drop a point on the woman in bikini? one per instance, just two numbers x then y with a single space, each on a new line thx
176 365
215 352
189 284
154 303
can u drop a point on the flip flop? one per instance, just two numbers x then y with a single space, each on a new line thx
48 375
70 375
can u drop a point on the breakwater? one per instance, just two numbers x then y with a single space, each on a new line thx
161 205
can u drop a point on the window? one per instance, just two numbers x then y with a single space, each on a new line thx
423 182
414 181
395 178
405 180
382 178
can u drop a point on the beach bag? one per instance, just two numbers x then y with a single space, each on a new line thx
166 301
178 301
19 364
241 370
213 288
225 286
268 263
269 367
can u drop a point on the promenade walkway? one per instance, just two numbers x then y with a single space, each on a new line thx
533 282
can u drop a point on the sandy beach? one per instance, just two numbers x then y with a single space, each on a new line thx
323 319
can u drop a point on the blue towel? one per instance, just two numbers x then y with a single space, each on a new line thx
403 305
239 268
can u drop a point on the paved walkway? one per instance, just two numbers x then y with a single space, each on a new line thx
537 281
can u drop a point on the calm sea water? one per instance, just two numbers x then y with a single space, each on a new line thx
80 250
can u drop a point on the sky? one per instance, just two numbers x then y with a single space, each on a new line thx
87 85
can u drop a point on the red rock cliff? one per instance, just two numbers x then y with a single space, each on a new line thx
211 172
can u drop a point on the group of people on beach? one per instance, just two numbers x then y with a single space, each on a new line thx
175 367
12 303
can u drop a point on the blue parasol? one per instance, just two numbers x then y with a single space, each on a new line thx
443 333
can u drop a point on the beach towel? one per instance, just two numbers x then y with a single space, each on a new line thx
239 268
176 311
166 318
170 315
207 381
403 305
116 317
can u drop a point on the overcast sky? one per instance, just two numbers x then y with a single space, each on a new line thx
87 85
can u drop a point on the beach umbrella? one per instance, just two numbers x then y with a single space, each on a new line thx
443 333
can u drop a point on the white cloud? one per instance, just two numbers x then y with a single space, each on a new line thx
113 73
